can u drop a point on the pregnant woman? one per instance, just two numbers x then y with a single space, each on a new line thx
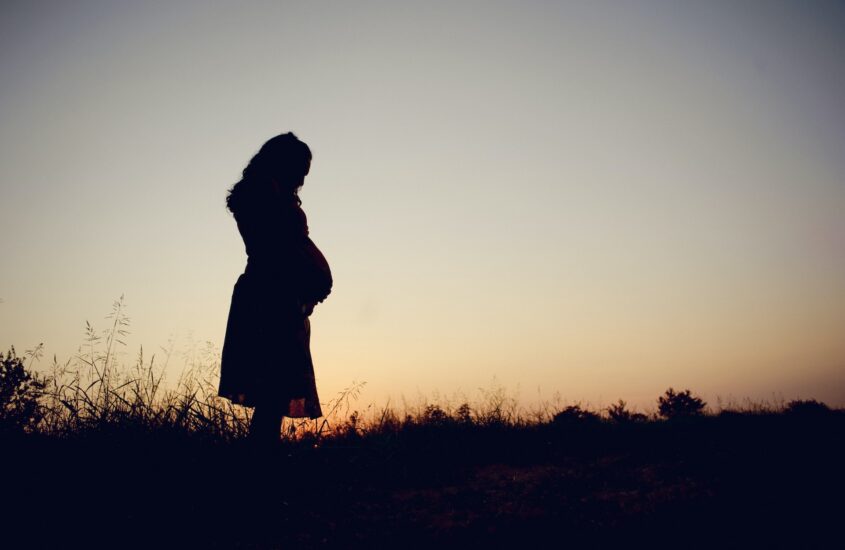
266 360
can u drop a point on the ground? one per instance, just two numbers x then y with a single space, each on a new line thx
733 481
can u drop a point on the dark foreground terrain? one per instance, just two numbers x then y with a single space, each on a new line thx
732 480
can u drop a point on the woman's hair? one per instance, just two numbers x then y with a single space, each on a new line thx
284 159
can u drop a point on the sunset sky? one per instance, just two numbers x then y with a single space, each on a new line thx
600 199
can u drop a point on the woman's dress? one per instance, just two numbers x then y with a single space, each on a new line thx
266 357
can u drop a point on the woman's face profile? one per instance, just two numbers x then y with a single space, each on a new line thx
301 179
296 181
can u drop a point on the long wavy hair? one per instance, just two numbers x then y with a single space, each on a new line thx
283 159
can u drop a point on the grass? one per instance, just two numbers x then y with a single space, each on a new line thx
97 453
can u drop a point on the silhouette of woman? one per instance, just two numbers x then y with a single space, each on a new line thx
266 360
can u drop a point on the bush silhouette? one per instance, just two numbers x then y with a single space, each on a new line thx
19 393
679 405
434 415
806 407
619 413
574 414
464 414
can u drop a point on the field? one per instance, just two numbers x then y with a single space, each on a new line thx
95 454
729 480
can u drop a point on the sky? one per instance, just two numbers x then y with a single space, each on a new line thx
595 200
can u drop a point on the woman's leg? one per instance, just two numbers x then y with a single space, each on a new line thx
266 424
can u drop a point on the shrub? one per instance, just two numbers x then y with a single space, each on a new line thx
619 413
434 415
680 405
20 391
808 407
464 414
574 414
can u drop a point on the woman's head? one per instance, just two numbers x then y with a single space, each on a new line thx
282 162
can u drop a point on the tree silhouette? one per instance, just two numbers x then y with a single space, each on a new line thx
679 405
